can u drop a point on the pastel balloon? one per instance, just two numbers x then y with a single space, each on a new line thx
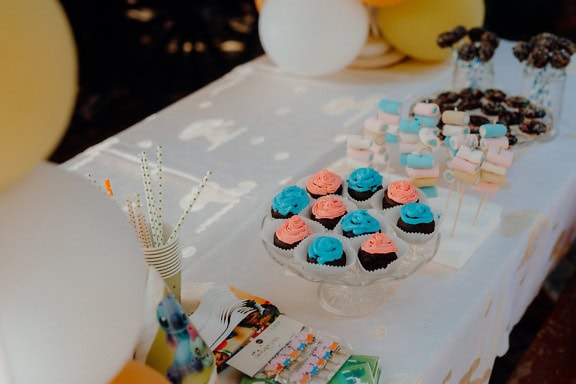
38 83
313 37
72 281
259 4
413 26
137 373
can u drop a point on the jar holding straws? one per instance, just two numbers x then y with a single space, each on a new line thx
472 51
546 57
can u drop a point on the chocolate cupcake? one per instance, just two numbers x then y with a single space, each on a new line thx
328 210
324 183
291 232
377 252
399 192
288 202
358 223
363 183
416 218
326 250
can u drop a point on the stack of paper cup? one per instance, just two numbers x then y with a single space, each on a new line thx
167 260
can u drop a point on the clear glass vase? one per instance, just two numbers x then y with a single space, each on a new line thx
545 87
472 74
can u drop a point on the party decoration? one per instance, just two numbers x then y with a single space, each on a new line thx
259 4
38 77
134 372
72 281
413 26
313 37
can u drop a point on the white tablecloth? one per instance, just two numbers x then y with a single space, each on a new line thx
258 129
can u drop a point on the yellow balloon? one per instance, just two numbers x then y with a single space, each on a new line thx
382 3
413 25
259 4
38 83
137 373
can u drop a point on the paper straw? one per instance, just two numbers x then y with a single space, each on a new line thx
131 216
150 203
190 206
142 228
159 215
108 187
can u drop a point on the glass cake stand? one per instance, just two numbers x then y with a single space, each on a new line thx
357 292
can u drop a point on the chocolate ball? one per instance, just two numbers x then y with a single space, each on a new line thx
491 38
475 34
446 39
467 52
567 45
560 59
521 50
546 40
485 51
460 31
539 57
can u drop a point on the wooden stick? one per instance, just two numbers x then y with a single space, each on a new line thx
482 201
452 184
460 197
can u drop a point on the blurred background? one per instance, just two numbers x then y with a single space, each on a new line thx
138 56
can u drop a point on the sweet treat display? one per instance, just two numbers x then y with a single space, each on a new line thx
416 218
359 151
326 250
525 120
291 232
289 201
328 210
363 182
358 223
377 252
324 183
400 192
545 57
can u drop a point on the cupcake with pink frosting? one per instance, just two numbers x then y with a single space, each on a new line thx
324 183
291 232
377 252
328 210
400 192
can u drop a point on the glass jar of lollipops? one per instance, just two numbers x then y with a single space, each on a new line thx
472 52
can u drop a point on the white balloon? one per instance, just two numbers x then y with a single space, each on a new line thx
72 281
313 37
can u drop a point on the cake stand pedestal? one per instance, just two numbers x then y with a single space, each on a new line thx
348 300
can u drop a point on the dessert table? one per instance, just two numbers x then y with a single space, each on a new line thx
258 129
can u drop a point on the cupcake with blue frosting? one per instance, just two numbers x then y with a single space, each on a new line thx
289 201
363 183
359 222
416 218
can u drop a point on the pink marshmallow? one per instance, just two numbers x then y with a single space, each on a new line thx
498 142
426 109
421 173
389 118
464 165
499 156
374 124
362 155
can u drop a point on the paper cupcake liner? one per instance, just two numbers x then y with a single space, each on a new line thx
324 271
392 217
390 269
270 226
384 225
